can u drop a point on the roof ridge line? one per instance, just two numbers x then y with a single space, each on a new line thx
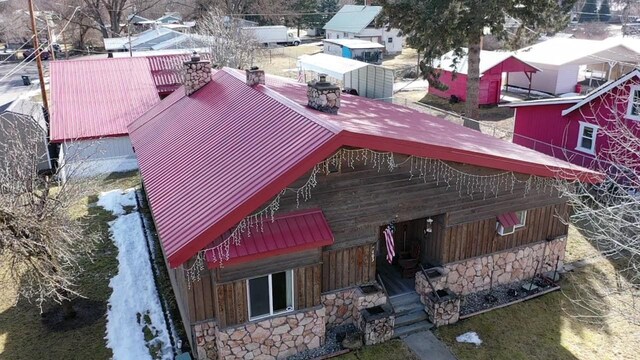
294 106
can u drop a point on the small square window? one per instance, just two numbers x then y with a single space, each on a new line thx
390 40
507 223
587 137
270 294
633 110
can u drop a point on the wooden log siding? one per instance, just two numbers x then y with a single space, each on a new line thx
200 297
307 286
348 267
464 241
357 202
232 307
232 303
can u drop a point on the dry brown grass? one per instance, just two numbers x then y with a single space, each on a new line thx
22 333
553 326
283 61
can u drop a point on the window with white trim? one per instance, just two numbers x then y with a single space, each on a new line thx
522 216
587 137
633 108
270 294
507 230
390 40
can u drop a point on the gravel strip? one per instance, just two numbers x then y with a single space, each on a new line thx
503 294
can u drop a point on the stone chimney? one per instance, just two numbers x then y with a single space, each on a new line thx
323 95
197 73
255 76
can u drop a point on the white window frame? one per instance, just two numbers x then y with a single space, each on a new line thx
271 312
522 216
632 93
390 40
584 125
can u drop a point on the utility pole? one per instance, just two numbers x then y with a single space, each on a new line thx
36 53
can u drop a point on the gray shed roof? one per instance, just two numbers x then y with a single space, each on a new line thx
26 108
353 18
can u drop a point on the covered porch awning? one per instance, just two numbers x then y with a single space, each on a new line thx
509 219
286 234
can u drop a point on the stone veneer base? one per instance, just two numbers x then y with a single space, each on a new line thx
269 339
477 274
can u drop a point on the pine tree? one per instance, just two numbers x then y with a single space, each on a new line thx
589 12
435 27
604 13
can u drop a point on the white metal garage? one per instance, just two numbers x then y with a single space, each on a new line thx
372 81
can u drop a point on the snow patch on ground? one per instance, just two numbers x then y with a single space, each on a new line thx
115 201
469 337
134 310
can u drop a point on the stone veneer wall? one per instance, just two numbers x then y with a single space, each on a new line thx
197 74
324 96
473 275
443 311
377 328
206 345
343 306
255 76
269 339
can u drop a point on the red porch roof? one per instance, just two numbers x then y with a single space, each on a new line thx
99 98
287 234
210 159
509 219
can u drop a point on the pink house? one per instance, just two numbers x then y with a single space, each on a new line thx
493 64
579 128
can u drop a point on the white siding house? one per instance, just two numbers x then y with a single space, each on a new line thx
357 22
560 60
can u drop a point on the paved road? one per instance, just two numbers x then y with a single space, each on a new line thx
12 87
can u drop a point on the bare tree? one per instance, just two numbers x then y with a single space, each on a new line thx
41 244
608 214
228 44
107 16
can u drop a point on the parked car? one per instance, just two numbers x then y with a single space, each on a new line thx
28 54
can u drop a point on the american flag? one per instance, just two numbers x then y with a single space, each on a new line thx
388 236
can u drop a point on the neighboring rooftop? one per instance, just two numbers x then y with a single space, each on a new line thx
353 18
355 43
210 159
566 51
99 98
488 60
26 108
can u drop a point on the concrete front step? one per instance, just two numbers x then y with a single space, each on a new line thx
404 331
410 318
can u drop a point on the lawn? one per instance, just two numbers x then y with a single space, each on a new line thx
391 350
22 333
283 61
552 326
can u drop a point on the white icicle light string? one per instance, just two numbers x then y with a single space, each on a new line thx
422 168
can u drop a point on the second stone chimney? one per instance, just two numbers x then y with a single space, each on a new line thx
197 73
255 76
323 95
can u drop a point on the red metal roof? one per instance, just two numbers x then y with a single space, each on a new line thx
167 70
210 159
509 219
287 234
99 98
